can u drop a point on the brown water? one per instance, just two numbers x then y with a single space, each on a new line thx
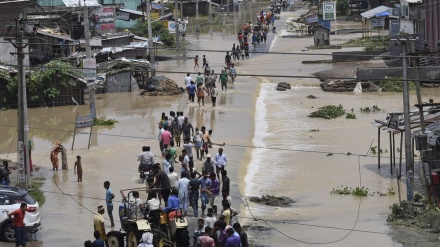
251 113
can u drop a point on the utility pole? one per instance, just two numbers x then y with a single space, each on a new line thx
150 41
162 9
197 16
419 96
89 55
408 149
210 10
24 173
176 17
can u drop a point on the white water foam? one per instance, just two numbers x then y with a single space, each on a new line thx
260 133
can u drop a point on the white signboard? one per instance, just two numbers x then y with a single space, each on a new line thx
89 69
21 163
329 10
172 27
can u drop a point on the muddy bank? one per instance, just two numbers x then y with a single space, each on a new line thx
272 200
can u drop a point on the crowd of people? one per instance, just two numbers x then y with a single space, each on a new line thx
191 180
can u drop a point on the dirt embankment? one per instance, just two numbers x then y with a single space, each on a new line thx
272 200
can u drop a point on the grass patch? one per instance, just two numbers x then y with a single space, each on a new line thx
328 112
370 43
35 191
425 217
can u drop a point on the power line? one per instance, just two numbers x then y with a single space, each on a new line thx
229 145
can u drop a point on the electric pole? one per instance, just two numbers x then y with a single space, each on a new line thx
408 149
176 18
92 88
197 16
24 173
150 41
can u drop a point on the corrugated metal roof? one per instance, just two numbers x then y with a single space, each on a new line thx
372 12
54 33
77 3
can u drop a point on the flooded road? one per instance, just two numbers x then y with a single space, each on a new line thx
268 142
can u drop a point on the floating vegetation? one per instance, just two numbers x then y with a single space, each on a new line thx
104 122
314 130
358 191
350 116
311 97
328 112
373 109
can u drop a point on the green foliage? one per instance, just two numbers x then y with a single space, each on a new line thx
328 112
158 29
104 122
314 130
342 8
358 191
425 217
44 82
35 191
370 43
394 84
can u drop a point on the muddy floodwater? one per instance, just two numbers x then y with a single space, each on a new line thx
273 147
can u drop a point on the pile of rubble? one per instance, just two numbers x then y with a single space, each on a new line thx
160 85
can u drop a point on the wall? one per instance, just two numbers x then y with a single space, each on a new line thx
121 82
425 73
353 56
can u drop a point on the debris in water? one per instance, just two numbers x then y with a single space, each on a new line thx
272 200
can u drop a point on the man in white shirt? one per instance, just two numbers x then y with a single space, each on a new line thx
185 162
159 137
220 160
146 158
135 204
172 176
188 80
153 206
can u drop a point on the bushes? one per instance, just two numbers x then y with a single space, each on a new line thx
158 29
395 84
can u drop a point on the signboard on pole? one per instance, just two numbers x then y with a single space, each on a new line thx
89 69
329 10
377 22
21 158
104 19
172 27
310 19
84 121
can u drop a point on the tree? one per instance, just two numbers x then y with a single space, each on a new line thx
342 8
158 29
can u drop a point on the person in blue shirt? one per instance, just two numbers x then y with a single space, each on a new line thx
173 202
191 91
254 38
98 242
109 201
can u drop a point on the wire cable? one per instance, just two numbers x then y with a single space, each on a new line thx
329 242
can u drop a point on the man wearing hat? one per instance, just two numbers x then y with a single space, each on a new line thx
208 165
98 221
